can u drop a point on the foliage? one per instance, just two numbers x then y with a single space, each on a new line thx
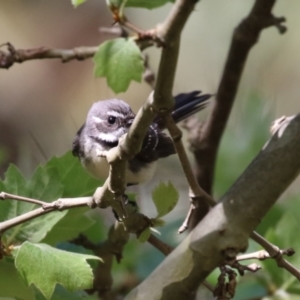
120 61
60 177
58 267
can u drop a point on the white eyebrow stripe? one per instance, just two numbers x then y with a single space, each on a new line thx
115 114
98 120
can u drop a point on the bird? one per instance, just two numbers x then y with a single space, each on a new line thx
108 120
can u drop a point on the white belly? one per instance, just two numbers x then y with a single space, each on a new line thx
98 167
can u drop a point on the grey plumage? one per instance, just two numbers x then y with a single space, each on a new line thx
108 120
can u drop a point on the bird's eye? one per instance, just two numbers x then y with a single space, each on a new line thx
111 120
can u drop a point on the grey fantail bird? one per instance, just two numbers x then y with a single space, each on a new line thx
108 120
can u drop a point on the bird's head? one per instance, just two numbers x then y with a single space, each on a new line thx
108 120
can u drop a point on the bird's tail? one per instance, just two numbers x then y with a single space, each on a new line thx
186 104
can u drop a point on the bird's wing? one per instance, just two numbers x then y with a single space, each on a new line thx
76 150
186 104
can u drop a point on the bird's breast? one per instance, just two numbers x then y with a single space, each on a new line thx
98 167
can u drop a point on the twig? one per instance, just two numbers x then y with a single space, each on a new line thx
277 254
197 194
13 55
7 59
116 31
160 245
263 254
4 196
60 204
245 36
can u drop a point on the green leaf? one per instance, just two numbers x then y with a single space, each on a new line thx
120 61
60 177
144 236
75 180
77 2
11 284
147 4
44 185
165 198
45 267
69 227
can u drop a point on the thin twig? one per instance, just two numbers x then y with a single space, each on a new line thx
277 254
4 196
197 194
7 59
263 254
60 204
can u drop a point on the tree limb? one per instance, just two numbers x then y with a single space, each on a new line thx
229 224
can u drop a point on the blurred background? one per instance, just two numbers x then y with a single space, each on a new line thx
44 102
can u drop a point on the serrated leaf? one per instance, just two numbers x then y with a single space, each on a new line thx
45 266
120 61
69 227
147 4
77 2
44 185
60 177
165 198
73 177
11 284
144 236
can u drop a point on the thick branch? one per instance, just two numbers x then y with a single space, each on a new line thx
229 224
245 36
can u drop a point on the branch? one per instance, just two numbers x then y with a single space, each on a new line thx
229 224
205 146
160 245
161 102
60 204
7 59
197 194
277 254
13 55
